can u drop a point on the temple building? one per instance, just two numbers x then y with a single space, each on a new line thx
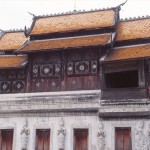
76 81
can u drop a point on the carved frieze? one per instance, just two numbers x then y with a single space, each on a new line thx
140 137
94 66
46 70
5 86
70 69
42 121
61 135
57 69
82 67
25 136
101 136
35 71
18 86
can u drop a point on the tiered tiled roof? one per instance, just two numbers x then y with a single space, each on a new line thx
12 61
126 53
133 29
63 43
12 40
73 21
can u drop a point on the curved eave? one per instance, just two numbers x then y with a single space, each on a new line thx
66 43
127 53
27 32
58 49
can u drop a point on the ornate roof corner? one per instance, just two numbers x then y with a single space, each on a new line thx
34 16
2 32
25 31
122 4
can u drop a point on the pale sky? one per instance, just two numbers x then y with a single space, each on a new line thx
14 13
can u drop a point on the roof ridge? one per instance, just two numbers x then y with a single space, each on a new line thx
135 18
11 30
71 12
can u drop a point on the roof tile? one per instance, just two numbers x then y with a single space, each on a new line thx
126 53
134 29
12 40
60 43
12 61
72 22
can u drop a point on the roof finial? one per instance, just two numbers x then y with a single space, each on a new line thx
2 31
32 14
123 3
75 5
25 31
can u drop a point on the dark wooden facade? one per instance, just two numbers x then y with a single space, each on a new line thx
59 61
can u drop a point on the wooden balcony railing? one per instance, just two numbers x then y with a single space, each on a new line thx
124 93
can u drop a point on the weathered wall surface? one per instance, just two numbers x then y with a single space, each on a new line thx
75 122
79 110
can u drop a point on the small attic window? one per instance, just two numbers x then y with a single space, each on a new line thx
124 79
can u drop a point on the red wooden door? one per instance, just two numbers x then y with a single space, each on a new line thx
81 139
42 139
6 140
123 139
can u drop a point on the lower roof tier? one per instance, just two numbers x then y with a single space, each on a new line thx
133 29
13 61
64 43
128 52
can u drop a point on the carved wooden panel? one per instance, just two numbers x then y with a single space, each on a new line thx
90 82
38 85
82 67
5 86
73 55
47 72
82 83
83 61
46 84
12 80
127 93
18 86
74 83
46 58
81 54
53 85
